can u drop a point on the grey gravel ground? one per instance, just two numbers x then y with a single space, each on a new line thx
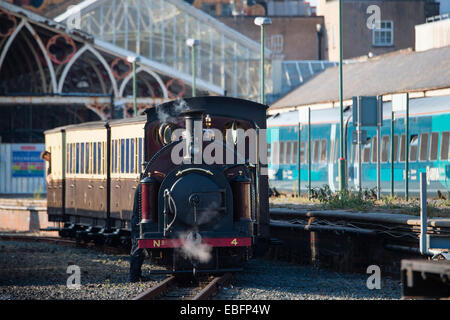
39 271
275 280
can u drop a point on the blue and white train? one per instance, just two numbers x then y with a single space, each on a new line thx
429 151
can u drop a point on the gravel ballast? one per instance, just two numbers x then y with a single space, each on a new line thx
30 270
39 271
275 280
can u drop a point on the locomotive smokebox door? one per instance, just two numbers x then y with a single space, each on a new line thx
199 197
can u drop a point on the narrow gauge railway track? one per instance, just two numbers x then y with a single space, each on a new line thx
63 242
173 289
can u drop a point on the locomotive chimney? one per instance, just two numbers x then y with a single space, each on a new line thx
194 137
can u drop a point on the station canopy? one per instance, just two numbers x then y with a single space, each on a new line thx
158 29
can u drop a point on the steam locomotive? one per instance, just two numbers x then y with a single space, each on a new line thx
185 182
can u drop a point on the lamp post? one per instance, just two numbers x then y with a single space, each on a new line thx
262 21
319 40
192 43
133 60
342 162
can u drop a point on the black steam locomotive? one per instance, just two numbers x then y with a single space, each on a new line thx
185 183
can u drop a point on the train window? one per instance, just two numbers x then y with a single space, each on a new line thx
140 156
402 148
332 145
122 155
281 152
67 158
88 157
434 146
385 145
113 157
375 149
127 155
133 156
366 151
413 147
82 157
302 152
445 139
336 153
268 151
315 151
275 155
395 148
288 152
94 157
295 152
423 153
102 152
323 151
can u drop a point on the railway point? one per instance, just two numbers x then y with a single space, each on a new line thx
252 153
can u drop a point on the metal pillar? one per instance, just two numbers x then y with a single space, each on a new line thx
392 154
407 149
342 162
309 153
299 139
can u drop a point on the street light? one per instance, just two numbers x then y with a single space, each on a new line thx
319 40
192 43
262 21
133 60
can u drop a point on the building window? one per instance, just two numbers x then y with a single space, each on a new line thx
384 36
209 8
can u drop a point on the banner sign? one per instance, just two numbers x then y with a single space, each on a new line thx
26 161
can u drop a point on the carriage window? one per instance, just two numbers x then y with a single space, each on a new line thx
275 155
445 139
140 155
133 156
385 145
336 153
423 154
122 155
375 149
402 148
82 158
268 151
102 151
414 143
88 157
332 146
395 148
94 164
315 151
434 146
68 158
295 152
302 152
288 152
113 158
366 151
127 156
323 151
281 152
100 157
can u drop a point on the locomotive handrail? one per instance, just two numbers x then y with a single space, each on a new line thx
181 172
